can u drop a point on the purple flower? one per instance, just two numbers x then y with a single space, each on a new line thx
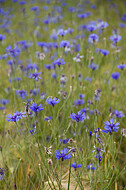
121 66
33 130
52 101
101 25
115 75
93 38
64 44
75 166
79 102
91 27
98 154
32 66
48 118
4 101
110 126
84 15
81 96
64 155
119 114
35 76
59 62
13 52
104 52
2 37
78 117
90 167
2 174
115 38
21 93
16 116
62 32
64 141
49 66
93 66
36 108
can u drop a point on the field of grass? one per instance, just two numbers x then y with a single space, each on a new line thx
62 95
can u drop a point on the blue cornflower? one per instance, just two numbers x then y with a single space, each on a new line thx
49 66
34 8
104 52
72 9
121 66
36 108
78 117
13 52
2 107
84 15
33 130
64 155
75 166
91 27
4 101
35 76
110 126
16 116
98 153
32 66
93 38
2 174
64 44
59 62
81 96
52 101
48 118
118 114
64 141
115 38
79 102
115 75
62 32
21 93
22 2
90 167
101 25
123 17
93 66
2 37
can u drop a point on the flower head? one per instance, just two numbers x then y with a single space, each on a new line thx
115 38
78 58
104 52
64 141
16 116
93 66
121 66
98 154
36 108
115 75
2 174
93 38
52 101
2 37
59 62
75 166
35 76
90 167
110 126
78 117
64 155
22 93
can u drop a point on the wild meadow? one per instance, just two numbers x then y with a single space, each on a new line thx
62 95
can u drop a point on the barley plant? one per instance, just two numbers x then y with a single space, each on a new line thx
62 95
